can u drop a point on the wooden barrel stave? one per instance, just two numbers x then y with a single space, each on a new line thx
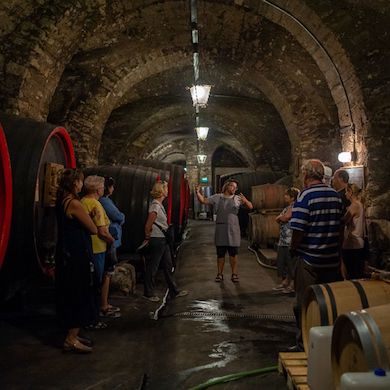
323 303
32 240
264 230
268 196
132 197
361 341
245 182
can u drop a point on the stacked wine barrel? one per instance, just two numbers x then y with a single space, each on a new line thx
27 149
32 154
268 201
359 311
246 180
132 197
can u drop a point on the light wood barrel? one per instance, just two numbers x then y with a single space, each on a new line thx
323 303
268 196
361 341
264 230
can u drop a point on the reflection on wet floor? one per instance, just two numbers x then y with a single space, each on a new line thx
225 351
217 330
210 323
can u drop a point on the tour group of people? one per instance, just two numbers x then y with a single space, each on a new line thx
322 230
89 234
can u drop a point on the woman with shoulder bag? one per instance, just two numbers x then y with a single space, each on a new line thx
158 250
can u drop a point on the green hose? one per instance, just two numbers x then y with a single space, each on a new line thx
234 377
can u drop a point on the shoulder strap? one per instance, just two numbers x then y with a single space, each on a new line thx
154 223
162 208
65 204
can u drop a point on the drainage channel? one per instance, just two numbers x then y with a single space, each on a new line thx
224 315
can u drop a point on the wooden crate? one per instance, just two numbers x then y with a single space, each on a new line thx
293 365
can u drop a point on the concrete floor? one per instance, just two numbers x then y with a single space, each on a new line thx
218 329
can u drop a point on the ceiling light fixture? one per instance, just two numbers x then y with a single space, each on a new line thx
202 132
201 158
200 95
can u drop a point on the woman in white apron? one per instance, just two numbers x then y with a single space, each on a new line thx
227 228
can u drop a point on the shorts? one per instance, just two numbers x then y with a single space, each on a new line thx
110 260
98 262
232 250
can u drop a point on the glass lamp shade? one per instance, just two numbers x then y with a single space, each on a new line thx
345 157
200 95
201 158
202 133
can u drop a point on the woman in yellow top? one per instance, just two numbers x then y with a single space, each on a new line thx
94 189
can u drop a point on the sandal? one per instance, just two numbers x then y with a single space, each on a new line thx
109 314
219 278
235 278
181 293
113 308
99 325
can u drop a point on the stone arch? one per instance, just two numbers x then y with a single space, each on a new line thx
309 30
111 105
42 50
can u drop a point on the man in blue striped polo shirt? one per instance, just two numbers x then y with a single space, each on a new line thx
316 234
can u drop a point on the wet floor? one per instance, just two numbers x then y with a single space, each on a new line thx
217 330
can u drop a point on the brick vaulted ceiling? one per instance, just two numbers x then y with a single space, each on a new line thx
287 75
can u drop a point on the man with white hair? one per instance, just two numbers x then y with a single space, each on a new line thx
316 234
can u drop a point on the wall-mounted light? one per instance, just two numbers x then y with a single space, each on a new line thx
345 157
200 95
201 158
202 132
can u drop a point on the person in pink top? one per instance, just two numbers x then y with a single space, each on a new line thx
353 244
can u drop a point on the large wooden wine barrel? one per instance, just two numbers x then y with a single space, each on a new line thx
32 147
5 195
176 183
245 182
132 197
323 303
287 181
263 229
268 196
361 342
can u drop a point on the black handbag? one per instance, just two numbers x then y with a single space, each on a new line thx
169 233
